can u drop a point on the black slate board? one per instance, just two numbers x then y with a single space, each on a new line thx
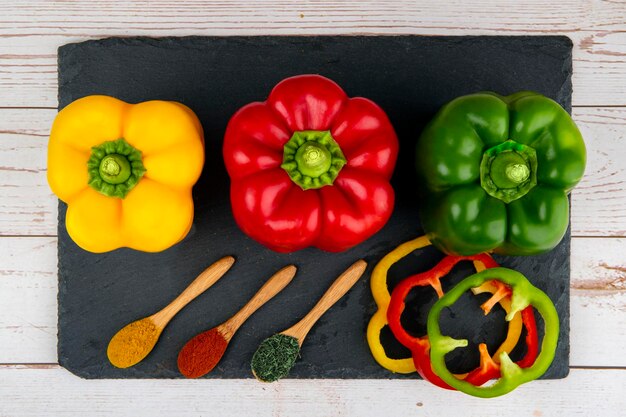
409 76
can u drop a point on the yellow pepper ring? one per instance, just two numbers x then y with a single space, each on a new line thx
378 285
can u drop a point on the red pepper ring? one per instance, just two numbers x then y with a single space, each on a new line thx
420 346
488 368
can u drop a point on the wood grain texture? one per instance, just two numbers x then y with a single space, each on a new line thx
28 298
203 282
31 32
26 202
269 290
28 207
33 391
336 290
599 200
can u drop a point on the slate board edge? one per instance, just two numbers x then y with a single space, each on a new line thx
63 48
66 48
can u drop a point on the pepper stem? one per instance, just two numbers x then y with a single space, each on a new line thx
517 172
508 171
312 159
114 168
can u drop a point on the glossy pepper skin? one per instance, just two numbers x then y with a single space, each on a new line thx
310 166
125 171
495 172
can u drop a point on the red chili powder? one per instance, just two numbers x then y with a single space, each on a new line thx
200 355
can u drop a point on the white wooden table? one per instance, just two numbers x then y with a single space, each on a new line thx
32 384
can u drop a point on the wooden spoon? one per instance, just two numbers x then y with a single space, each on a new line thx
135 341
330 297
204 351
281 355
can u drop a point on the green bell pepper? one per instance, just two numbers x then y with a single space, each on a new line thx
524 294
494 173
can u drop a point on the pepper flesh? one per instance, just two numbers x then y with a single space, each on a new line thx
380 292
153 211
495 172
420 346
524 294
310 166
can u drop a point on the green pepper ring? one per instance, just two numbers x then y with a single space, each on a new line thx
523 295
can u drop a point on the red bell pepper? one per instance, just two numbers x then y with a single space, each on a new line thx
310 166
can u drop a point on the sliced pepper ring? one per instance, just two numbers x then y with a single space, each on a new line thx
378 284
524 295
420 346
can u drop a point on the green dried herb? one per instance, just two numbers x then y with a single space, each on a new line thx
275 357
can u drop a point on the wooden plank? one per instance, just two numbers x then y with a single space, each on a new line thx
598 302
28 296
28 291
31 33
599 200
185 15
27 207
36 392
600 65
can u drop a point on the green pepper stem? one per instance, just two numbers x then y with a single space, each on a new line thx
312 159
508 171
517 173
114 168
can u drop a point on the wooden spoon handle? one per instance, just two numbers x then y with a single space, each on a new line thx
273 286
204 281
330 297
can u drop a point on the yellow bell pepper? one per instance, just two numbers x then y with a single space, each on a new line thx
125 171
